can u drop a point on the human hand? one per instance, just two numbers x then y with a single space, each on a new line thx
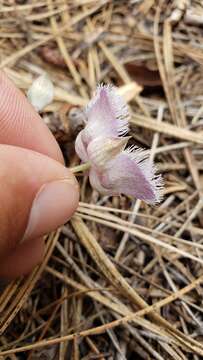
37 193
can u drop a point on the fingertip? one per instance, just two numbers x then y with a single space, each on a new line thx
21 125
36 192
53 205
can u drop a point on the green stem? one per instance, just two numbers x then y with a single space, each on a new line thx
81 167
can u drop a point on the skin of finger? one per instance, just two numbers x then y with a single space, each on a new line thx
21 125
22 260
22 173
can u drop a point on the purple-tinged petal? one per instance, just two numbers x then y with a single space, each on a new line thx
133 175
107 114
114 170
81 146
95 178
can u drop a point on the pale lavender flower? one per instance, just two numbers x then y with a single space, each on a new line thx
115 170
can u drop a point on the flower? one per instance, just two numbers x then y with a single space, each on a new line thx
115 170
41 92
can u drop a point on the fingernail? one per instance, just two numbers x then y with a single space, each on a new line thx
53 206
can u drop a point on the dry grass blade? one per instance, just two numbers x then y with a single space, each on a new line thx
167 129
19 54
23 292
117 224
119 322
114 276
122 279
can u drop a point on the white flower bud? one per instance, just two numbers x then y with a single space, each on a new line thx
41 92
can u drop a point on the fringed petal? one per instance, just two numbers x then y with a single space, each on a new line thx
96 178
81 146
115 171
107 113
135 176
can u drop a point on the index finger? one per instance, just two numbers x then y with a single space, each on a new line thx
20 125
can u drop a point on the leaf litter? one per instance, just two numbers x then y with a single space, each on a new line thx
123 279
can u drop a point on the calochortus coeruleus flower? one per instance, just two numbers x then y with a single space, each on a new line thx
115 169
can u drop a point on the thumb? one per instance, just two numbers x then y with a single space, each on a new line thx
37 194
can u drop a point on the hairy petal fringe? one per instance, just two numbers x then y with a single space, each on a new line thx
107 113
114 170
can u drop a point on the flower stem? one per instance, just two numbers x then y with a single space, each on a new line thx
81 167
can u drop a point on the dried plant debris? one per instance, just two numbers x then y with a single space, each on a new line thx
123 279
